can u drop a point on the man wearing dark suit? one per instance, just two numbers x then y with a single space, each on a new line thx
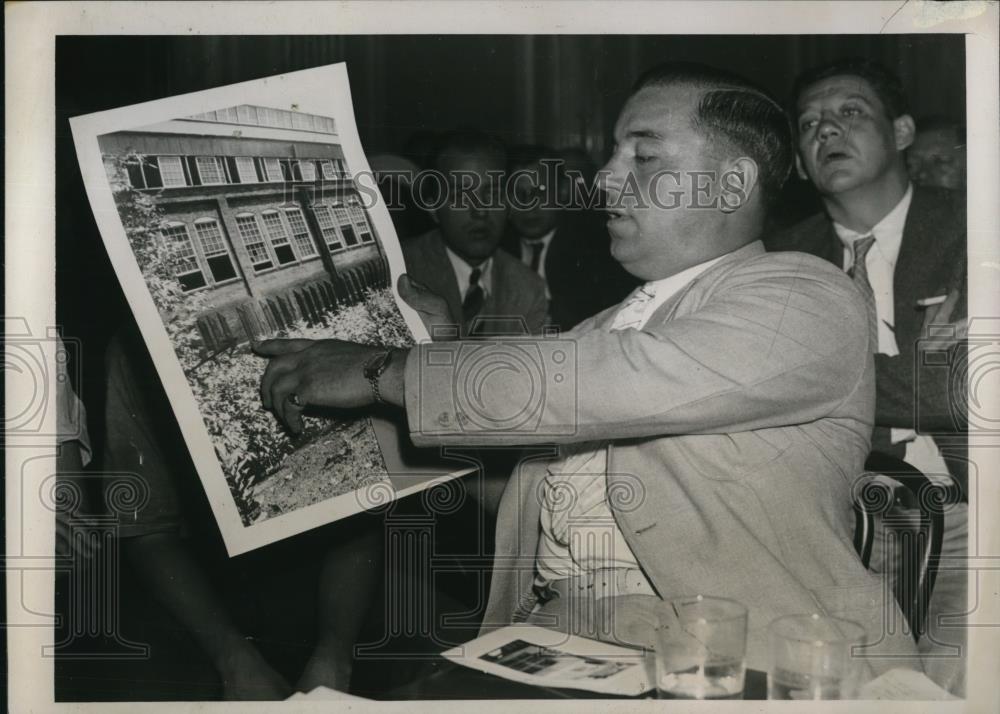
910 242
567 244
487 291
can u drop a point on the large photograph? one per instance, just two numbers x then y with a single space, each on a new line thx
244 223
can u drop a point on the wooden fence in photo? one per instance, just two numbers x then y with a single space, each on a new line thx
309 303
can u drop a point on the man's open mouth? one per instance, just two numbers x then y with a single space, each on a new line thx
835 155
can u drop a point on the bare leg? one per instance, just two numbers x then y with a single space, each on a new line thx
164 564
351 574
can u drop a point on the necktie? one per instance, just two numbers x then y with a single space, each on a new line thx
859 273
474 297
536 255
633 312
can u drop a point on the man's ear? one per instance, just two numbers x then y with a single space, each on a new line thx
905 129
800 169
737 183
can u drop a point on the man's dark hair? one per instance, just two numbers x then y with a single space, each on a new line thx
736 112
884 82
525 155
939 122
461 142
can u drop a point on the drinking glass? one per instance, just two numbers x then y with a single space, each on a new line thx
814 657
701 648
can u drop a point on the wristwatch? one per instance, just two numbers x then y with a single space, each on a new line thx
375 367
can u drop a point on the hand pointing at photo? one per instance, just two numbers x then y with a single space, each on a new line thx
327 373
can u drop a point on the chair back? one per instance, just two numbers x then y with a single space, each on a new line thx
913 554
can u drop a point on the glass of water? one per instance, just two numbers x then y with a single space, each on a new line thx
814 657
701 647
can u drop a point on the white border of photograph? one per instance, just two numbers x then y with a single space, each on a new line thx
30 130
323 91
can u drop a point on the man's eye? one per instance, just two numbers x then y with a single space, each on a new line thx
807 124
643 159
851 111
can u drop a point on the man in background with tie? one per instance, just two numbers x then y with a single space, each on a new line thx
563 242
487 291
904 246
710 428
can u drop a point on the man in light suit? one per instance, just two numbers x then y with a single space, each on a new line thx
486 290
710 428
853 130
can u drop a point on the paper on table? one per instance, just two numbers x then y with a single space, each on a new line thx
904 685
535 655
323 693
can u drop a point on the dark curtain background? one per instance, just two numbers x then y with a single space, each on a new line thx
560 90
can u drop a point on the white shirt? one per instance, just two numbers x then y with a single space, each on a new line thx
661 291
463 271
881 263
528 250
921 451
578 530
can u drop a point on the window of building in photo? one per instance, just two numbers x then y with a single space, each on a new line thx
305 170
186 268
253 240
171 171
344 221
245 169
272 170
271 117
361 221
300 233
246 114
278 235
228 114
329 170
214 248
329 228
210 170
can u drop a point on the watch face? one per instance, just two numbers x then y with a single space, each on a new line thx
375 365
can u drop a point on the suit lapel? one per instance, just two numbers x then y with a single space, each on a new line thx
832 249
919 270
446 284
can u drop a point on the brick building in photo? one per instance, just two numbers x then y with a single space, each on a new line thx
261 214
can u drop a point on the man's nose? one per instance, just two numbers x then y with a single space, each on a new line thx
828 129
477 211
610 177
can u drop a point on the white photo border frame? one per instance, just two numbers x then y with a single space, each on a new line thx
31 29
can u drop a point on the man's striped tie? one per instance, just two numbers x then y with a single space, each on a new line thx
633 312
859 273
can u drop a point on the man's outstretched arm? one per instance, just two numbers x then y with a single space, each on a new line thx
781 343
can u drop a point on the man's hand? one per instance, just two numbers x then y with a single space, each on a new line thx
938 317
432 308
326 373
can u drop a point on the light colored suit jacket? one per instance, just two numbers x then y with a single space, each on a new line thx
516 300
739 419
